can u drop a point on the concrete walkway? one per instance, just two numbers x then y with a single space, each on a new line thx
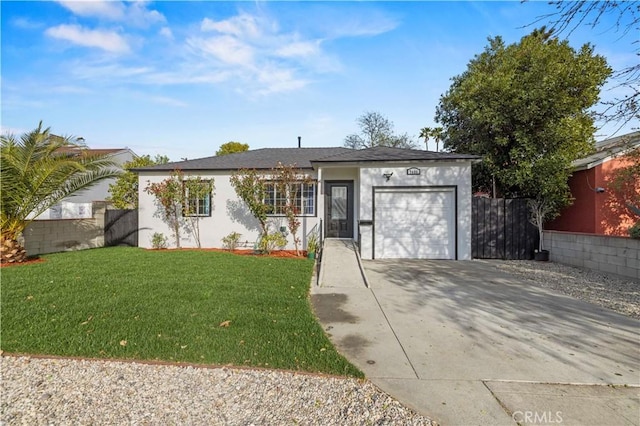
340 265
466 344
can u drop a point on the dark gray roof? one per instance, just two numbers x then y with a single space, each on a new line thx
385 153
268 158
265 158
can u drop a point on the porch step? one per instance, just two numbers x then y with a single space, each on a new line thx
340 265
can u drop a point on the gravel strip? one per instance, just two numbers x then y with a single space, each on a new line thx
38 391
609 291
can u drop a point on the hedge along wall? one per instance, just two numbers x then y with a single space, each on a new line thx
616 255
50 236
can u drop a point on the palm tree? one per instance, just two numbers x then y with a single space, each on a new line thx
436 134
431 132
37 171
425 133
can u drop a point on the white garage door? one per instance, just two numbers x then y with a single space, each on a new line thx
414 223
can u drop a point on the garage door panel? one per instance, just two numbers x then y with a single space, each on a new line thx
411 249
412 224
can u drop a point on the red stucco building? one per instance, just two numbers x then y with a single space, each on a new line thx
597 208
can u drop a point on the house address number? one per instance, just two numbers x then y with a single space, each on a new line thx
413 171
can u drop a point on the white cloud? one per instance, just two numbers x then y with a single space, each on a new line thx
137 14
226 49
360 28
299 48
131 12
68 90
166 32
361 21
249 52
243 25
111 72
113 10
188 76
277 80
109 41
253 50
26 23
268 59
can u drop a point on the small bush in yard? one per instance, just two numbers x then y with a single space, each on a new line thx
634 231
231 241
269 242
158 241
312 243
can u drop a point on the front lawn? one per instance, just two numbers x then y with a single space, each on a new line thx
167 305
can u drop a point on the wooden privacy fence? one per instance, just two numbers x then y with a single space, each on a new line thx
121 228
500 229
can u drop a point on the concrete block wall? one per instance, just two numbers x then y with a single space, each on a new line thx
51 236
616 255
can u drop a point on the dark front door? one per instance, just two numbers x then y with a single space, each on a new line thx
339 209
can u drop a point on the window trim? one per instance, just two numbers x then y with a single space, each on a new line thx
274 184
187 200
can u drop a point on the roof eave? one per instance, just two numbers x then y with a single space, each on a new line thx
138 170
586 166
412 161
597 161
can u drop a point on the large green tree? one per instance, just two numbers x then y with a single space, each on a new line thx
622 17
124 191
377 130
38 170
232 147
524 107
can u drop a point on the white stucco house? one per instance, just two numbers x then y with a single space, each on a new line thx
79 205
395 203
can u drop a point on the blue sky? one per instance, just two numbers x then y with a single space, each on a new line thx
182 78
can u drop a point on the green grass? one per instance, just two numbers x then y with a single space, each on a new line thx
167 305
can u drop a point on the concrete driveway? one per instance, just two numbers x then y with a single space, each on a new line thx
464 343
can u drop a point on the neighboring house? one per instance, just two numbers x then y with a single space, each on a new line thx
78 205
597 209
396 203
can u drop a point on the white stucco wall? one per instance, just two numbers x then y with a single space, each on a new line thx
100 191
228 214
431 174
74 206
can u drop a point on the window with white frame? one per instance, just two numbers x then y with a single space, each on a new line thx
198 202
308 199
304 198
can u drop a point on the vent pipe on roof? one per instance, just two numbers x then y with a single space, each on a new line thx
299 141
